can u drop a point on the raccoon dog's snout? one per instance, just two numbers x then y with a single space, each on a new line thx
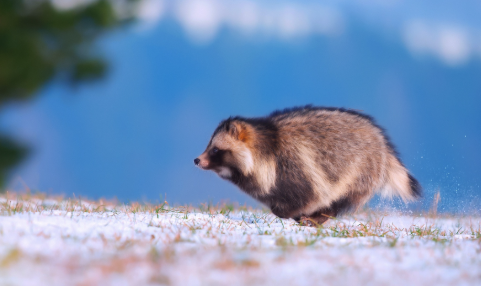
309 162
202 162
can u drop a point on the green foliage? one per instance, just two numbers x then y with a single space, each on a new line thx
39 43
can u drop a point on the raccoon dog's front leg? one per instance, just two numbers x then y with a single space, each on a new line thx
281 212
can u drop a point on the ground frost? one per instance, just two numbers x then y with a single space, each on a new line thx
59 242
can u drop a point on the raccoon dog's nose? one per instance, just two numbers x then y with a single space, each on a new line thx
196 161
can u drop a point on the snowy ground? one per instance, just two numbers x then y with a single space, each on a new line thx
72 242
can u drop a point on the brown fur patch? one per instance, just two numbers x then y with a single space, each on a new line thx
243 135
239 131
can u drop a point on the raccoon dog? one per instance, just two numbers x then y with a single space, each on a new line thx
308 163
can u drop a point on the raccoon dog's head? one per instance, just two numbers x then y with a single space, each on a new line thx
228 150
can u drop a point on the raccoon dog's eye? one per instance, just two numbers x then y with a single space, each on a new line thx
215 150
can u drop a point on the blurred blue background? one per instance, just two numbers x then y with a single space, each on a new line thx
185 65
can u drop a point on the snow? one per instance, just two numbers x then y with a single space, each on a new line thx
51 242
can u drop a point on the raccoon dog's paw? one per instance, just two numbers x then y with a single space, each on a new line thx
311 221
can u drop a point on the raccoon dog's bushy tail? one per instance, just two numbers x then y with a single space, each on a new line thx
400 182
416 189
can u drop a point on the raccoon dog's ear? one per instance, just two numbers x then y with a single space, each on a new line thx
237 131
